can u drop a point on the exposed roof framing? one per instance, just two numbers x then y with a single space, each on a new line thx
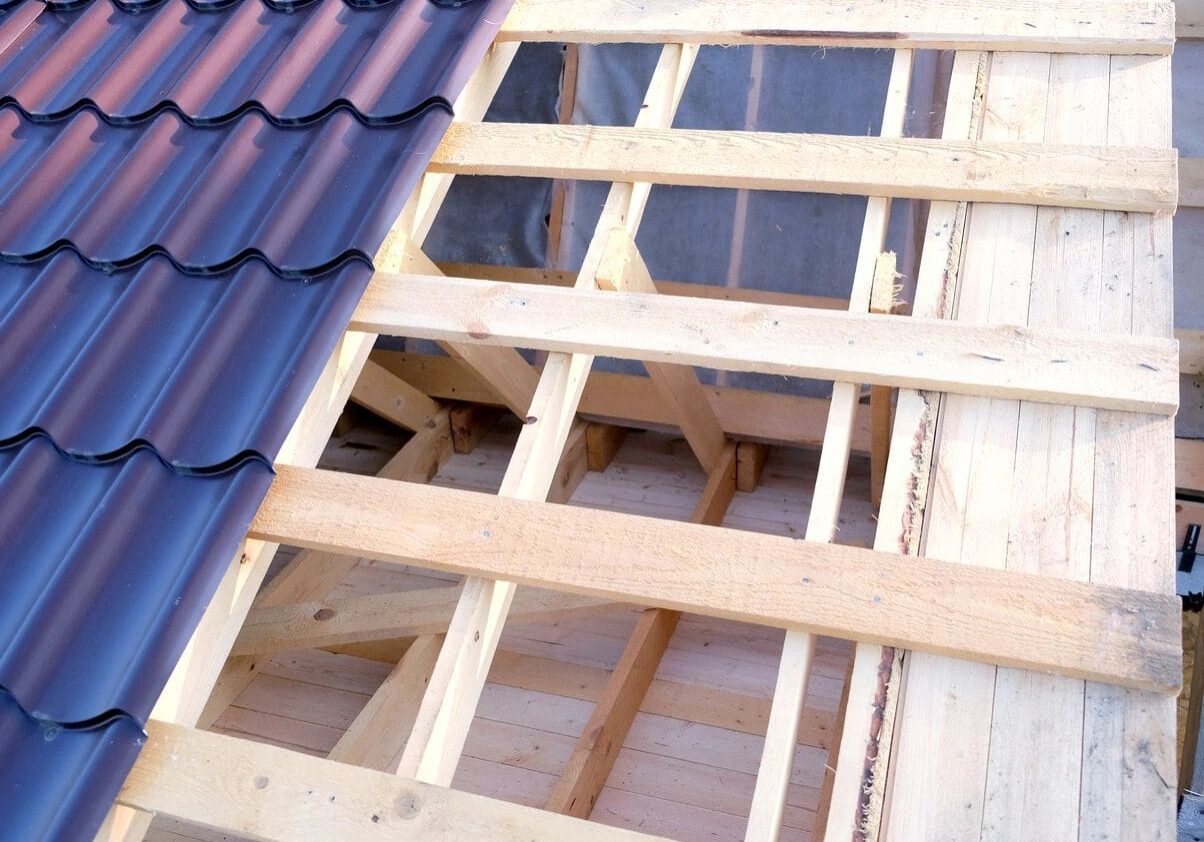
1007 634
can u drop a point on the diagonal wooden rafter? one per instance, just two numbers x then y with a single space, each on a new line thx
434 747
597 748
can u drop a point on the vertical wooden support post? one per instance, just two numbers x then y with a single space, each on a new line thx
882 300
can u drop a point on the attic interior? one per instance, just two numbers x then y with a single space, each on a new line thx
680 288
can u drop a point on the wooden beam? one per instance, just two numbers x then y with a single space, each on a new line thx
271 794
633 401
1012 25
376 737
1191 177
434 747
1189 465
689 289
1115 635
503 369
858 789
882 301
1189 19
602 443
750 464
311 625
1108 178
677 384
471 422
1046 365
596 750
384 393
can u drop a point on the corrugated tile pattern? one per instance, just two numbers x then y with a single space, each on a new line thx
305 199
387 61
102 362
105 559
45 764
190 195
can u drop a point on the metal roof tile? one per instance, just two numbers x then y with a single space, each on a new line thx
57 783
142 402
102 361
303 198
387 60
107 569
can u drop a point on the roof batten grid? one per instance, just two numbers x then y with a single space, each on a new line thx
196 748
154 471
435 744
777 758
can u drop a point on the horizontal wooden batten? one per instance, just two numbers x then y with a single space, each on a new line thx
1113 635
1109 178
1066 26
272 794
1110 372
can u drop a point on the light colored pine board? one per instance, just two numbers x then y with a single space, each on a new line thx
1072 493
379 390
1136 179
595 752
743 413
1109 27
1109 634
1189 19
268 793
1009 361
562 278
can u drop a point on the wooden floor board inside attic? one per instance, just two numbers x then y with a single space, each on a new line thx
688 766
